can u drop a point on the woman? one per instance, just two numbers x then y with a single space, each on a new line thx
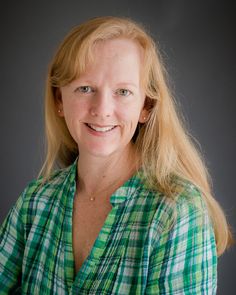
130 211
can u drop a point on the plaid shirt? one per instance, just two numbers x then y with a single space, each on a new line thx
137 250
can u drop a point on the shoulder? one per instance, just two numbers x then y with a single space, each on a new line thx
46 188
183 244
189 227
164 211
40 195
188 208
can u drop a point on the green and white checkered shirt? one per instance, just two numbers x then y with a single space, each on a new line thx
136 252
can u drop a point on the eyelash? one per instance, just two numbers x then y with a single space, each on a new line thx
123 89
120 91
81 89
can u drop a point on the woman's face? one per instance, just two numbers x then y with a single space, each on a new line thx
103 107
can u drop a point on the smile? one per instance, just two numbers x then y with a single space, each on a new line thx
101 129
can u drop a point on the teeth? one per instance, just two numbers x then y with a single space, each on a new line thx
101 129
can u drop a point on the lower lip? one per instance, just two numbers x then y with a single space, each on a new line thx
99 133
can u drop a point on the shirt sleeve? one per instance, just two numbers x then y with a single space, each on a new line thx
184 260
11 250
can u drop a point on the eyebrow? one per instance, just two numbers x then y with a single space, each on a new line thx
127 84
120 84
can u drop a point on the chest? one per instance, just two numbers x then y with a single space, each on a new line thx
88 219
121 261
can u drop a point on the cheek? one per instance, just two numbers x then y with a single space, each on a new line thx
131 114
74 110
130 121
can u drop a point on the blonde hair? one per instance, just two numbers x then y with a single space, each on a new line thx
165 146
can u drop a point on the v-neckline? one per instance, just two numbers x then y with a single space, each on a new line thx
96 250
74 279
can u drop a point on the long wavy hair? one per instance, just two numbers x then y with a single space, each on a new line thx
165 146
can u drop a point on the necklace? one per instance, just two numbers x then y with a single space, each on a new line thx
110 188
92 198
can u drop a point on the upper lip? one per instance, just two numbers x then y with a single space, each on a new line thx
101 126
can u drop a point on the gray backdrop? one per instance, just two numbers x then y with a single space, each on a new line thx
197 39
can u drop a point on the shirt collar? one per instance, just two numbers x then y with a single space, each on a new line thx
127 190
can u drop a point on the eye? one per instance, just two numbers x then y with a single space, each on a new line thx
84 89
123 92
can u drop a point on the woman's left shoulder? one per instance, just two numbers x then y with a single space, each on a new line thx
186 206
189 209
190 198
184 246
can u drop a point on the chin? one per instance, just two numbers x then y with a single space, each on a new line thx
104 151
98 150
101 154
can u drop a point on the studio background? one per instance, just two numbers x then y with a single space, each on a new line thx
198 44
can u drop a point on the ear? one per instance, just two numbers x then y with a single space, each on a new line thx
148 105
143 116
58 102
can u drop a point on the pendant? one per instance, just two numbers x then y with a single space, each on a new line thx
92 199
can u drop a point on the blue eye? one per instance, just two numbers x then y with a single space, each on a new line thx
123 92
84 89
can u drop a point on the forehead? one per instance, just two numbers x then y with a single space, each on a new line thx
118 47
117 58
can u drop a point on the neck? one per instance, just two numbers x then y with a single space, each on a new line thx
99 175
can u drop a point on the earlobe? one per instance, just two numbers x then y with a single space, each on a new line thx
145 113
60 112
58 103
144 116
59 109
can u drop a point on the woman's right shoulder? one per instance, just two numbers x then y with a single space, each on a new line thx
40 201
46 187
41 193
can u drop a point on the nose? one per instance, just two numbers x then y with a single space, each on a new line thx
102 105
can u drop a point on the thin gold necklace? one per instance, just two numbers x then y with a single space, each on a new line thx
92 196
116 185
